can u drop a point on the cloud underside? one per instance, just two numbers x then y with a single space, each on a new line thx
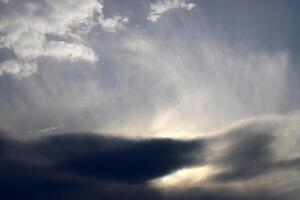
25 31
89 166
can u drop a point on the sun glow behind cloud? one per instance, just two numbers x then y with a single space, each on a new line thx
185 178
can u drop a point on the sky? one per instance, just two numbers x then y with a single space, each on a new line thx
151 99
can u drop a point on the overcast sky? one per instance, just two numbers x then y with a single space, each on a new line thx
110 78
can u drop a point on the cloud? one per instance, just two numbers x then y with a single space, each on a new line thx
17 69
106 158
248 156
50 129
24 29
158 8
255 149
126 92
83 165
61 50
25 181
119 159
113 24
188 76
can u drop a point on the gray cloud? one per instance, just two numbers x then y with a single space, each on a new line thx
256 150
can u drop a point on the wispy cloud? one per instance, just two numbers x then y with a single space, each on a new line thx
158 8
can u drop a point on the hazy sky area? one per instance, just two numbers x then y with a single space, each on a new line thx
150 99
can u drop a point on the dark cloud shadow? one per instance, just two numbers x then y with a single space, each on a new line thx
248 156
89 166
119 159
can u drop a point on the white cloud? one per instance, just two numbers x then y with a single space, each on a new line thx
113 24
25 25
46 130
70 51
162 6
18 69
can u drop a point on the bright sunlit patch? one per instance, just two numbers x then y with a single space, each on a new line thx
180 135
184 178
169 124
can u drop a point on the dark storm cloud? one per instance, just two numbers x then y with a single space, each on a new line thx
64 165
120 159
137 163
89 166
21 176
224 193
22 180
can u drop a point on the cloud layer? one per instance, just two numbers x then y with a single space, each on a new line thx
157 99
90 166
186 75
